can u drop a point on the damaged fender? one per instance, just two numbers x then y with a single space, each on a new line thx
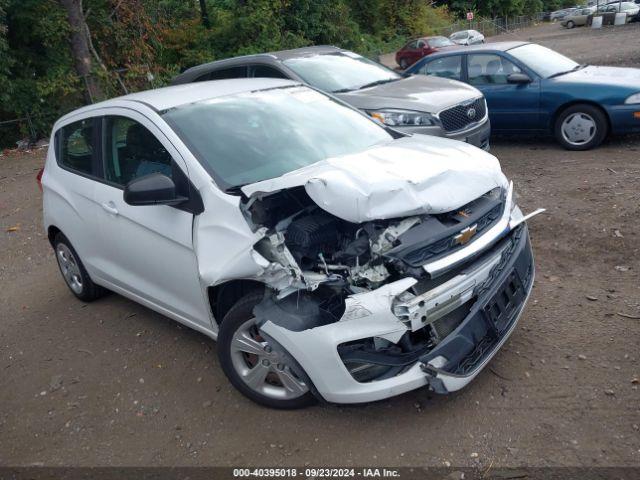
315 349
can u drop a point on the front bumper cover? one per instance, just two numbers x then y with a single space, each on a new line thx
451 365
478 135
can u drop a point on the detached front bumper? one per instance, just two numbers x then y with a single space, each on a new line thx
499 295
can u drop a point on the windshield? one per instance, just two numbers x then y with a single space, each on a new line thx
255 136
340 72
543 61
436 42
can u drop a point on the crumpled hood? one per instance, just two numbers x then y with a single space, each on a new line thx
618 76
409 176
418 92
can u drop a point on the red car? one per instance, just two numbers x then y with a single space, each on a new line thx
421 47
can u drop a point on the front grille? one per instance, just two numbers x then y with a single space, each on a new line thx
461 116
448 245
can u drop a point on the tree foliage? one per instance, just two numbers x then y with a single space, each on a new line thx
141 44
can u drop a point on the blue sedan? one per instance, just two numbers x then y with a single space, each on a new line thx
532 89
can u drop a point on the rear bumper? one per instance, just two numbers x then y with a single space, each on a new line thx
477 136
623 120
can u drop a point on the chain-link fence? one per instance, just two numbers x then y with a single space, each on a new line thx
492 27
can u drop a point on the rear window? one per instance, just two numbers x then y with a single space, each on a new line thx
437 42
75 146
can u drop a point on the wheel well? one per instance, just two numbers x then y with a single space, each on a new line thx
563 107
52 231
224 296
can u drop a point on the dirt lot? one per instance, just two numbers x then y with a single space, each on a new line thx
112 383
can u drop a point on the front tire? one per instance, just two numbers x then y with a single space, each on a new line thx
404 64
73 271
253 366
570 24
581 127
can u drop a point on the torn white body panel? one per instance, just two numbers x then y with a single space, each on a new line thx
409 176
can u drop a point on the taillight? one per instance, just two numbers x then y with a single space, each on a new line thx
39 178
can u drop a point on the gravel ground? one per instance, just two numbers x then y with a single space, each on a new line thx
619 46
113 383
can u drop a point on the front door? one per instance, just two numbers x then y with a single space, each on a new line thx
147 250
512 107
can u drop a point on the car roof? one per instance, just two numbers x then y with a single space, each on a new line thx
174 96
281 55
484 47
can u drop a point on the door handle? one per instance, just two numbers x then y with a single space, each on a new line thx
110 207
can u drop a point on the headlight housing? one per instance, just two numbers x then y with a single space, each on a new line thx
403 118
635 98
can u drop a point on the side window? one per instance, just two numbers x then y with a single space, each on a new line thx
265 71
447 67
412 45
76 146
132 151
489 69
421 43
233 72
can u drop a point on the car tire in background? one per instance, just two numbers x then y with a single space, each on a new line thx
242 350
73 271
581 127
404 64
570 24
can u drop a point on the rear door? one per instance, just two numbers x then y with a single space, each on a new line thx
147 251
69 200
512 107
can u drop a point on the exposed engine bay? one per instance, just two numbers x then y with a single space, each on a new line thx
311 247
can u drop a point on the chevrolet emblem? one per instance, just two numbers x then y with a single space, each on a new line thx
465 235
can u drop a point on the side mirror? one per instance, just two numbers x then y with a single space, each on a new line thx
519 78
152 189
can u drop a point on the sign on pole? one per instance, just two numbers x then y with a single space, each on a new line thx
469 16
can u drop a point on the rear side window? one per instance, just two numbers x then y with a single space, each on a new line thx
76 146
486 69
265 71
447 67
132 151
233 72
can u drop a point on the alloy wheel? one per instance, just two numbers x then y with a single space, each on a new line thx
261 368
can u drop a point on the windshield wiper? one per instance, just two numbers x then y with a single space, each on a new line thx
235 189
377 82
343 90
577 67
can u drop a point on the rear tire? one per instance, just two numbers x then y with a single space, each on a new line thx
242 351
581 127
404 64
73 271
570 24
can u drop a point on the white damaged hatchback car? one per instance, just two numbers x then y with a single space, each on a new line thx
331 257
